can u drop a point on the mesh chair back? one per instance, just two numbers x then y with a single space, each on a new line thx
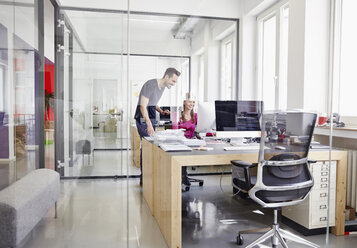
283 175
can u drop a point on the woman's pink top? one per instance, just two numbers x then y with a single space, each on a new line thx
189 127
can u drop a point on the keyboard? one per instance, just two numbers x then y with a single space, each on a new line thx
242 147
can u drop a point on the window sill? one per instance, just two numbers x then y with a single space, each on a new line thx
344 132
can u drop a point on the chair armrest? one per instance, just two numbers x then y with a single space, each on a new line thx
243 164
312 161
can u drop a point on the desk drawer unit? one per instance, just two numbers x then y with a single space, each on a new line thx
312 212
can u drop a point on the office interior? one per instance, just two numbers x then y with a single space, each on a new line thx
70 77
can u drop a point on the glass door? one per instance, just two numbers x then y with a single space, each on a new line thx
91 123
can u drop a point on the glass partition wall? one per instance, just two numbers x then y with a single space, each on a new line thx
20 91
100 99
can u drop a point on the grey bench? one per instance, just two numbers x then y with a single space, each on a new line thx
24 203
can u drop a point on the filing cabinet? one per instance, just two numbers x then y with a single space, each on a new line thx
312 212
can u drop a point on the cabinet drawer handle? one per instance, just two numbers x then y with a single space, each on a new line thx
323 185
324 179
324 173
323 194
323 206
323 219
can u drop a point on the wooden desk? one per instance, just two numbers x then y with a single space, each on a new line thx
135 143
162 183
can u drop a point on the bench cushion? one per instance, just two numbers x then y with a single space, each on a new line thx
24 203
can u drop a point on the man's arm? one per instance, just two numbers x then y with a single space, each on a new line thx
158 109
144 101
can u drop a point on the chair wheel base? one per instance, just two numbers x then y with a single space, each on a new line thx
239 240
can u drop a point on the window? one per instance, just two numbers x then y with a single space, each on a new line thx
273 28
348 53
227 86
201 78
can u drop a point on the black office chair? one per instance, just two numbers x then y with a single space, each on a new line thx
283 177
84 147
194 180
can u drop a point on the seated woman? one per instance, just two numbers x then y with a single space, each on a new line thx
188 121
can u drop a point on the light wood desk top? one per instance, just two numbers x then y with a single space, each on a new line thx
162 182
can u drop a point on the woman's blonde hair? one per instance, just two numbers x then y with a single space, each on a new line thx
192 113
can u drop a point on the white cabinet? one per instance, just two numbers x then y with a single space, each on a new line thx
312 212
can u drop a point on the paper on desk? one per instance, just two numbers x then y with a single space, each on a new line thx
203 148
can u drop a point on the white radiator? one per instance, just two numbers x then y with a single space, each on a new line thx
352 179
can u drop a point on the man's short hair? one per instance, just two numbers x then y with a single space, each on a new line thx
171 71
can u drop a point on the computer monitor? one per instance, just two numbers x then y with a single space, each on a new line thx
206 119
164 117
238 118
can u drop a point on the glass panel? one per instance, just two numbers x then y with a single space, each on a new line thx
95 128
49 53
18 82
268 62
288 133
348 55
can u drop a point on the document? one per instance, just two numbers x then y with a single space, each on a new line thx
174 147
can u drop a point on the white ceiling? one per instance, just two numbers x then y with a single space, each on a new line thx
107 32
211 8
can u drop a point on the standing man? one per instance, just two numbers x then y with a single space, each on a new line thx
150 95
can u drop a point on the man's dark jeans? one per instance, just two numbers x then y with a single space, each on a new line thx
143 132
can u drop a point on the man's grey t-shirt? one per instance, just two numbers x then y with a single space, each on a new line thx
151 91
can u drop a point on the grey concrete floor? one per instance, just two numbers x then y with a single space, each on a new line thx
95 213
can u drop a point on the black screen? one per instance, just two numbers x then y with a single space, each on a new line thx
238 115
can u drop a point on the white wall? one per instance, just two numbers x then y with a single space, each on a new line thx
222 8
247 58
296 54
316 55
308 55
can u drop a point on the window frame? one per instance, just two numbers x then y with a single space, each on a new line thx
274 11
224 42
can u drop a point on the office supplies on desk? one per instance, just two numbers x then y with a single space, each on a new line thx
203 148
174 147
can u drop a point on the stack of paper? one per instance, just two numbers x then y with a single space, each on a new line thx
174 147
194 142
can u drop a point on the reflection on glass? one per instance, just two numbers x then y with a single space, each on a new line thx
289 133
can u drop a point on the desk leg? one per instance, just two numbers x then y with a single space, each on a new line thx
167 197
148 174
176 198
341 174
